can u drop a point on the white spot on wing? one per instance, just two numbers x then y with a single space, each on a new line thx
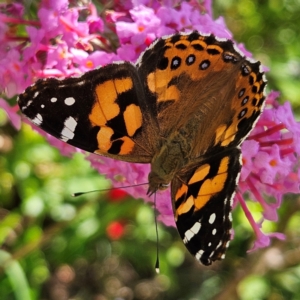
189 234
264 79
221 39
69 101
37 120
53 99
261 69
80 82
214 231
212 218
191 59
25 106
252 61
35 94
238 50
199 254
68 131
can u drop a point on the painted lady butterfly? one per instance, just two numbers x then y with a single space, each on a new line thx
184 107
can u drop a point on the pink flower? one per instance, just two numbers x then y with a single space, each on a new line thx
271 163
96 24
58 6
36 37
262 240
143 22
250 149
59 57
12 71
13 9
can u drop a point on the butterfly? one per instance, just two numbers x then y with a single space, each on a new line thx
185 107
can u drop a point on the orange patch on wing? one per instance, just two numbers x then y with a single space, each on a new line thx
201 200
181 191
123 85
186 206
182 41
158 83
96 116
200 173
104 142
215 47
157 80
199 42
215 65
229 135
133 119
224 165
254 76
257 84
104 139
212 186
107 93
151 82
105 107
242 81
171 93
127 146
219 133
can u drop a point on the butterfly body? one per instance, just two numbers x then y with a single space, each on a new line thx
184 107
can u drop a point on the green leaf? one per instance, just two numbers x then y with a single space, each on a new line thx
16 276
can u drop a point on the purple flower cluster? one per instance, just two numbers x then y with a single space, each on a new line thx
66 41
270 164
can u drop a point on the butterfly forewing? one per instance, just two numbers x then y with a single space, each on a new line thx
102 112
204 86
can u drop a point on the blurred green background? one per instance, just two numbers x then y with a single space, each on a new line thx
103 246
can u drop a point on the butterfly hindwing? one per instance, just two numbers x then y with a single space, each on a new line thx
202 203
103 111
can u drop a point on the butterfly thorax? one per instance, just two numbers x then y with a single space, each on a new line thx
172 157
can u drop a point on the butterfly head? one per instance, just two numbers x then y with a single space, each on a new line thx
156 183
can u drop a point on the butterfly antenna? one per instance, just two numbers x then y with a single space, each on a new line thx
157 238
109 189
